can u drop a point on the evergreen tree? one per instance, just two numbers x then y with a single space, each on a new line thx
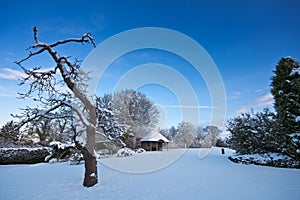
241 138
9 133
267 132
254 133
286 91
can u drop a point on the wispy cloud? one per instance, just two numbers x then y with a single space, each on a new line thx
243 109
7 56
7 94
7 52
262 90
187 106
98 21
262 101
258 90
11 74
265 100
235 95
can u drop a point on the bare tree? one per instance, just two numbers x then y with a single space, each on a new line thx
134 109
43 84
185 134
210 136
48 129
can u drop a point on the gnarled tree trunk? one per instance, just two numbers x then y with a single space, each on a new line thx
90 162
69 74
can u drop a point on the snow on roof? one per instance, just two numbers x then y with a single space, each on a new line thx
155 137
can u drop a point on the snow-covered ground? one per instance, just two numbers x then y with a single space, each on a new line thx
212 177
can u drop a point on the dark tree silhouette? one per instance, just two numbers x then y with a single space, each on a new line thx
43 84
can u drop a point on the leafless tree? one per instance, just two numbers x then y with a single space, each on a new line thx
43 84
185 134
134 109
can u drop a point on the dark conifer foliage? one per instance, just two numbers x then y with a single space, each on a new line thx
273 132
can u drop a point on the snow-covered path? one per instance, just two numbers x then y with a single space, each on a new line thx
213 177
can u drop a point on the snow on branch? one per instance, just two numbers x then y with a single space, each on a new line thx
31 114
46 80
86 38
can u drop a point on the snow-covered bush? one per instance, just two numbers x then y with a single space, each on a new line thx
60 151
254 133
61 145
124 152
267 159
103 153
23 155
76 157
140 150
53 161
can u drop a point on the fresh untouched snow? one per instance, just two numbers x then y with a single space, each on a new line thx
189 177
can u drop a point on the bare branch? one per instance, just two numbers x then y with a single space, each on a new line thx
35 30
30 55
86 38
35 114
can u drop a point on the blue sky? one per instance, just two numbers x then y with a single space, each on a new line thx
244 38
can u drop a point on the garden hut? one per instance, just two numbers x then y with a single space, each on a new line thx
154 142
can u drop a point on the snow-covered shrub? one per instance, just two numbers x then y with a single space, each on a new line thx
53 161
267 159
23 155
76 157
140 150
60 151
60 145
124 152
103 153
254 133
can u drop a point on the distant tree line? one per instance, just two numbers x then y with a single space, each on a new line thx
278 132
187 135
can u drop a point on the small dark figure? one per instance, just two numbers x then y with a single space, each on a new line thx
223 151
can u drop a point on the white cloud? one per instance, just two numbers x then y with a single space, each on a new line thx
235 95
9 53
7 95
11 74
264 98
259 90
243 109
260 102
